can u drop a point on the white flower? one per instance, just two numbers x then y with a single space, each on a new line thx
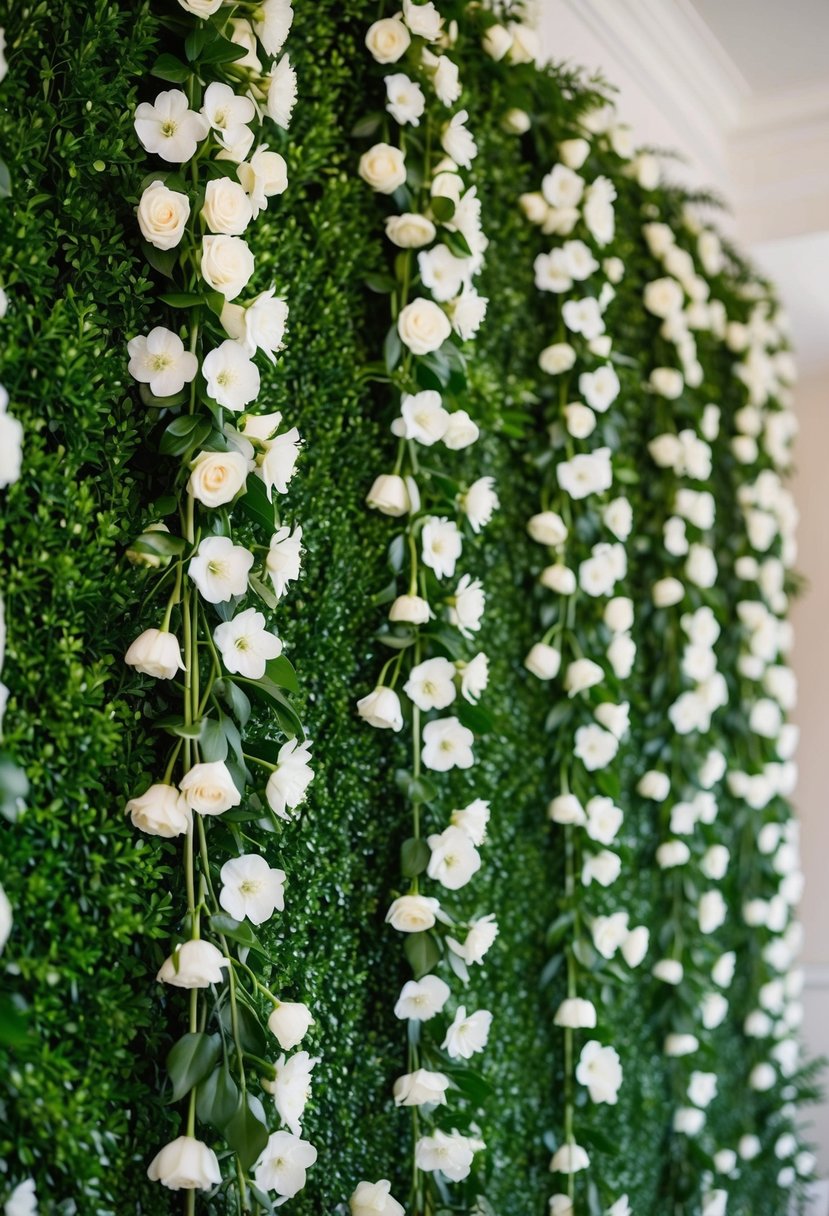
226 113
635 945
479 938
156 652
458 142
195 964
604 819
422 417
552 272
664 297
169 127
447 744
666 592
232 378
749 1147
473 819
615 718
227 208
621 653
445 77
688 1120
390 495
163 215
374 1198
467 605
405 99
420 1088
558 578
526 46
562 187
579 260
543 661
243 35
281 92
566 808
209 789
423 19
559 357
711 911
383 167
278 464
618 614
595 747
289 1023
388 39
454 858
422 999
600 388
600 1071
762 1077
576 1013
410 231
161 811
579 420
702 1088
431 684
588 473
185 1164
723 970
467 312
479 502
598 210
583 317
672 853
442 273
603 867
609 933
283 559
290 779
582 674
220 569
617 516
452 1154
413 914
226 264
548 528
668 970
701 566
569 1159
677 1045
216 478
423 326
283 1164
474 676
516 122
291 1088
441 545
411 610
251 888
160 360
496 41
461 431
263 176
273 20
620 1208
466 1036
667 382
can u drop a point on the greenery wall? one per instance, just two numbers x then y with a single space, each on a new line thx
81 1107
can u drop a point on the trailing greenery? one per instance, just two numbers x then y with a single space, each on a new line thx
81 1100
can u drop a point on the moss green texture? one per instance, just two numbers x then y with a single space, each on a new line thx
80 1102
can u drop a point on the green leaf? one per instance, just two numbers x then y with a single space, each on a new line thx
392 348
397 553
217 1098
422 951
365 127
221 50
475 718
159 544
247 1131
414 857
283 673
395 641
442 209
471 1084
255 504
167 67
178 727
13 1028
190 1059
5 181
236 701
263 591
251 1034
238 931
183 299
212 740
162 260
183 435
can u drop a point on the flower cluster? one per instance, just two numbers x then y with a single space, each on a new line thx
586 652
222 789
423 164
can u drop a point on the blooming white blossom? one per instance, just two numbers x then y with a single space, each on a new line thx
161 811
388 39
458 142
220 569
374 1198
431 684
467 1035
413 913
479 502
569 1159
600 388
454 858
479 938
587 473
595 747
422 999
156 652
420 1088
600 1071
474 676
169 128
251 888
226 264
272 23
163 215
289 781
185 1164
450 1153
160 360
227 208
283 558
422 418
289 1023
603 819
195 964
283 1164
603 867
466 607
291 1088
441 545
232 377
543 661
281 87
447 744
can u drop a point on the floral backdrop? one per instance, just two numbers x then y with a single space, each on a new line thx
396 564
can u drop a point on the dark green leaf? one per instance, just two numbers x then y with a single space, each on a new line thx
238 931
283 673
422 951
167 67
247 1131
190 1059
414 857
217 1098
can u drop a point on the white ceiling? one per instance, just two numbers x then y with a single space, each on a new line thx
775 44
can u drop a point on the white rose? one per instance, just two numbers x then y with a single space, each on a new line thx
289 1023
582 674
669 970
195 964
666 592
558 578
516 122
217 477
413 913
383 167
227 208
226 264
156 652
209 788
579 420
635 945
186 1164
496 41
603 867
411 610
547 528
600 1070
681 1045
263 176
559 357
161 811
525 43
388 39
543 661
389 494
420 1087
163 215
574 1013
618 614
460 432
573 152
374 1199
667 382
423 326
672 853
423 19
566 808
534 206
410 230
381 708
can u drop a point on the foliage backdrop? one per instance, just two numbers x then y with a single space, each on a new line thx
79 1100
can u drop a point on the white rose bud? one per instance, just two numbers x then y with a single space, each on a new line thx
383 168
543 661
217 477
413 913
423 326
289 1023
185 1164
559 357
547 528
419 1087
573 152
576 1014
655 785
157 653
618 614
410 230
226 264
227 208
163 215
196 964
669 970
667 382
534 207
411 610
161 811
389 494
381 708
516 122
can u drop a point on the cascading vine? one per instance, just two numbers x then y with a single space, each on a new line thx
219 551
436 603
586 651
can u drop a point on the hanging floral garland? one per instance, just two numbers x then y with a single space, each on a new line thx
436 604
233 778
586 652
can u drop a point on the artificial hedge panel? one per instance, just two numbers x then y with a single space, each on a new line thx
82 1108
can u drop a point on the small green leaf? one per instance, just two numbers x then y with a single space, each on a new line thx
235 699
217 1098
392 348
365 127
183 435
159 544
442 209
212 740
5 181
397 553
190 1059
247 1131
167 67
422 951
238 931
183 299
414 857
283 673
263 591
254 503
162 260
